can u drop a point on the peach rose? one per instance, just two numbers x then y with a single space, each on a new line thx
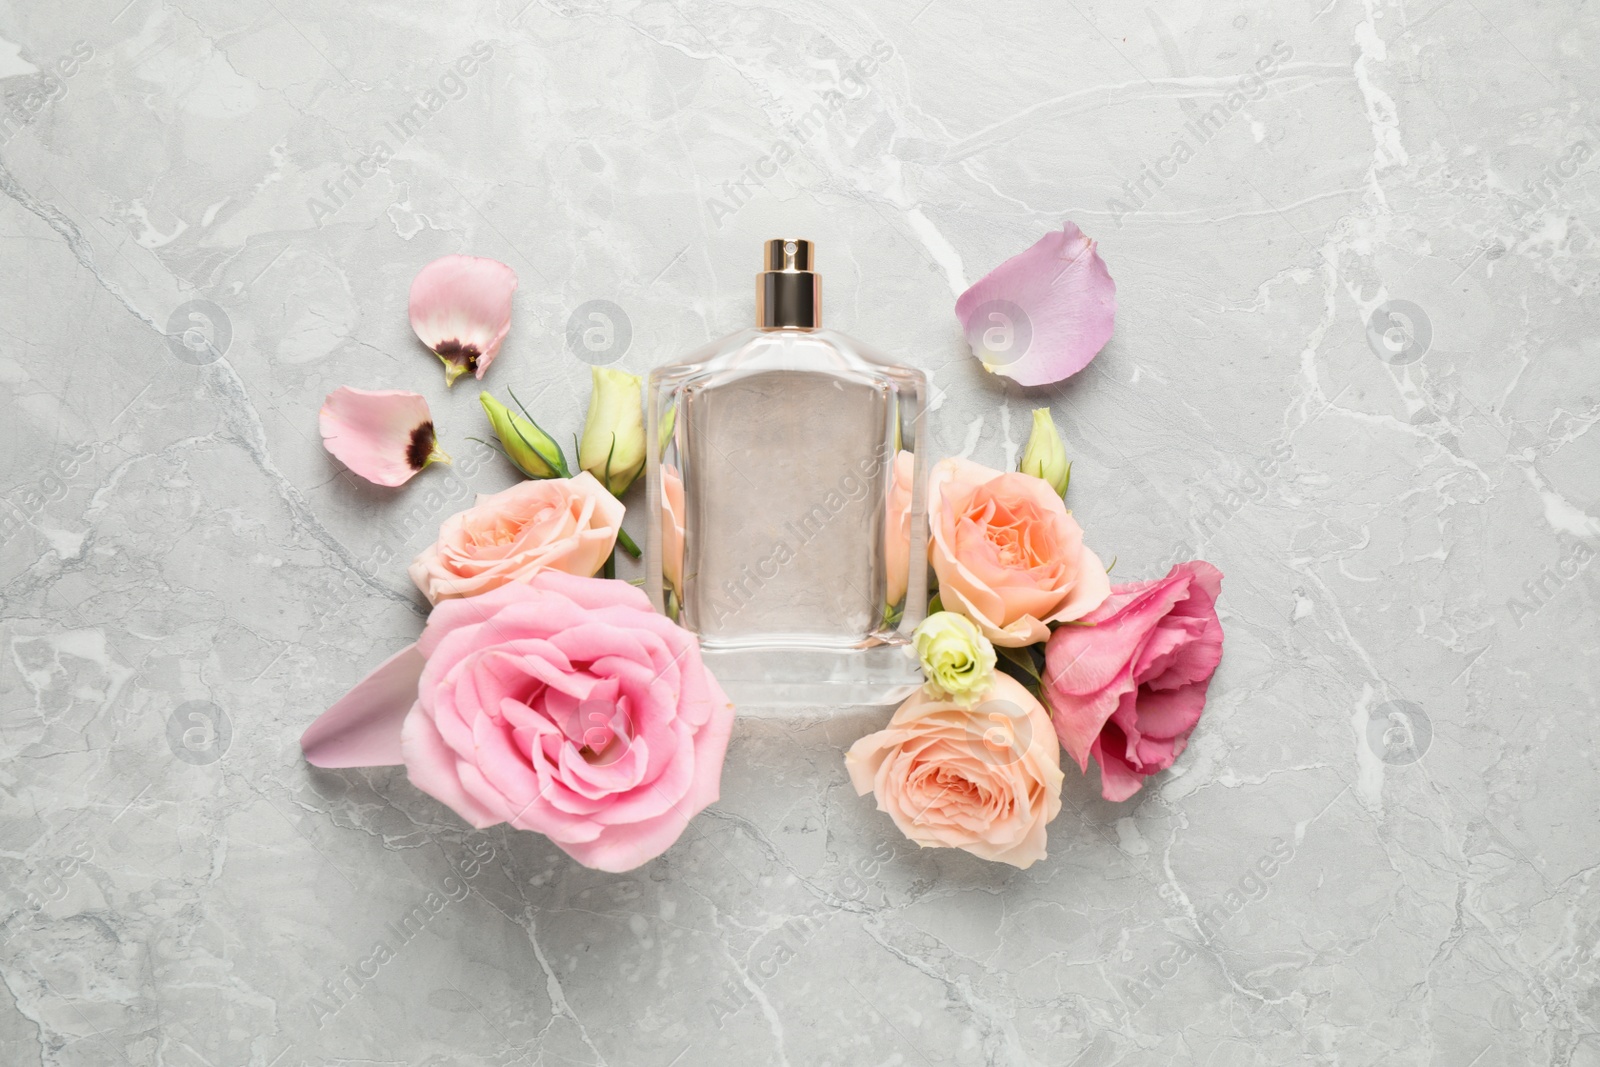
561 524
897 532
1008 554
985 779
672 527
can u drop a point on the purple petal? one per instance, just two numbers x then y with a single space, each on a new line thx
1043 314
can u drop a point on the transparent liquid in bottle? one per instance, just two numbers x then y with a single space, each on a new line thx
775 452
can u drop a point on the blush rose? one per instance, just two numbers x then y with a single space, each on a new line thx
1008 554
985 779
897 528
562 524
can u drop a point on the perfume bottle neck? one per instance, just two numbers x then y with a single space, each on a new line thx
788 291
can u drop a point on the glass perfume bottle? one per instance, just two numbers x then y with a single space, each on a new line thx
785 492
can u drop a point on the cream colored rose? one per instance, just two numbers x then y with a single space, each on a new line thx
985 779
562 524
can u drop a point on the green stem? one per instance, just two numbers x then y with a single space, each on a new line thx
628 544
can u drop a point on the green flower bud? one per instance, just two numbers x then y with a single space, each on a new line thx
529 447
666 423
612 448
956 658
1045 456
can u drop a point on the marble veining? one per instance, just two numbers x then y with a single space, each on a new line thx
1354 367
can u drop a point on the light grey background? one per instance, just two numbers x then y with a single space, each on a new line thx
188 579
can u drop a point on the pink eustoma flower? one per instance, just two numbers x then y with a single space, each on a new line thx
461 309
565 705
1043 314
384 435
1128 689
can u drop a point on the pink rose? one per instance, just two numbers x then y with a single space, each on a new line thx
897 532
566 706
1129 689
985 779
562 524
1008 554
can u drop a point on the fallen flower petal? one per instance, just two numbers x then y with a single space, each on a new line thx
461 309
362 729
384 435
1043 314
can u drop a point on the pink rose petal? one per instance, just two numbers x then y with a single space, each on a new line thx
384 435
362 729
461 309
1043 314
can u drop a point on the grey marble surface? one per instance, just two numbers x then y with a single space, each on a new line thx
1355 366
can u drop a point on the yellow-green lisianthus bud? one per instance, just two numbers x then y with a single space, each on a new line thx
612 448
529 447
956 658
1045 456
667 422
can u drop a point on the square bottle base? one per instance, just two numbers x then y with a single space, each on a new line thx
773 681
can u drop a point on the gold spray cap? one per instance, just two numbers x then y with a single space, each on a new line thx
788 291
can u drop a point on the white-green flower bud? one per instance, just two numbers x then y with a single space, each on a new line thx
612 448
957 660
1045 456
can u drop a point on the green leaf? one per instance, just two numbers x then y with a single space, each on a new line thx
1026 676
1022 657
